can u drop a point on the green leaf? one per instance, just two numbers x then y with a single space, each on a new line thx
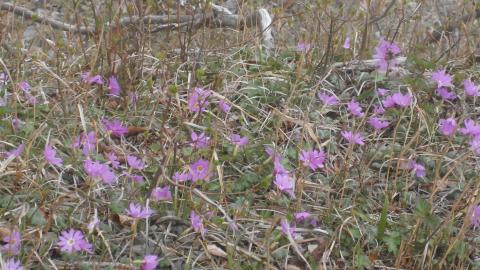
382 223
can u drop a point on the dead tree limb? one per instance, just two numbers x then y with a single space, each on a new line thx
218 16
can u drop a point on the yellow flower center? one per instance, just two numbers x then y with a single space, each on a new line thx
199 168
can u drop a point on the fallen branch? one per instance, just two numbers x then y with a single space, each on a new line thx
218 16
364 65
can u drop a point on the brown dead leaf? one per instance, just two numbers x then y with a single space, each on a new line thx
216 251
123 220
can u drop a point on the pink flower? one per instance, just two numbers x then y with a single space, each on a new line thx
388 102
199 141
442 78
115 127
50 156
225 107
353 138
24 86
312 158
278 167
12 245
199 170
303 47
161 194
471 128
97 170
237 140
197 223
135 163
382 91
113 160
327 99
12 264
447 126
182 177
198 99
355 109
379 110
285 184
377 123
16 152
417 168
137 211
475 145
401 100
87 142
470 88
474 214
72 241
134 177
346 43
150 262
87 78
445 94
114 86
385 55
301 216
287 228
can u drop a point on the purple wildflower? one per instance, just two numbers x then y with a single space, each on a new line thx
16 123
224 106
312 158
470 88
287 228
197 101
382 91
134 177
445 94
328 99
385 55
416 168
16 152
72 241
346 43
97 170
379 110
199 141
137 211
199 170
353 138
197 223
303 47
402 100
25 86
12 264
115 127
285 184
447 126
114 86
475 145
388 102
87 142
355 109
50 156
182 177
301 216
135 162
238 140
278 167
377 123
12 245
88 79
150 262
3 78
113 160
474 214
471 128
161 194
442 78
